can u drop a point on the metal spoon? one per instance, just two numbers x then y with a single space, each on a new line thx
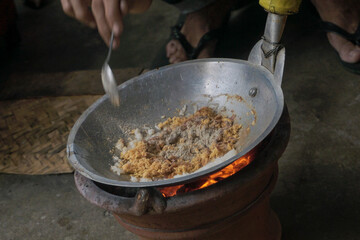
108 79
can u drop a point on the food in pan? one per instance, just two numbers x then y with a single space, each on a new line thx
178 145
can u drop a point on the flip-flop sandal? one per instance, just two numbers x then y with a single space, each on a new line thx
175 33
193 52
354 38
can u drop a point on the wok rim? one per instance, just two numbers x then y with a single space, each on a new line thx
76 164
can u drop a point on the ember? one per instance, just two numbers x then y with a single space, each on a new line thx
209 180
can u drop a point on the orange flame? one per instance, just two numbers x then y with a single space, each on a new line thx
209 180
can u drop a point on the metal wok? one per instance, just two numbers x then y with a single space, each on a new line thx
161 92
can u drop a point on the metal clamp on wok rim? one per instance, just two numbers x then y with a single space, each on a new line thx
276 47
271 46
268 52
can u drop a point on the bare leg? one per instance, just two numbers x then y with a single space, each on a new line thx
345 14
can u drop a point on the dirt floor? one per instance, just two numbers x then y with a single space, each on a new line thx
317 195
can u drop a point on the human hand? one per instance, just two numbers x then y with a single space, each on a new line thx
106 15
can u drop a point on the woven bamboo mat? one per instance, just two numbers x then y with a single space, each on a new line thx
33 133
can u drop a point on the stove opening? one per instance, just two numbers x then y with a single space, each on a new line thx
211 179
119 191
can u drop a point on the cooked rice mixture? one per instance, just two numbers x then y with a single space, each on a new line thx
180 145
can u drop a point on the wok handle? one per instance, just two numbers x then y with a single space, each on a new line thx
272 52
268 52
282 7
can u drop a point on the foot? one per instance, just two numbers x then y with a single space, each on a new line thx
345 14
195 26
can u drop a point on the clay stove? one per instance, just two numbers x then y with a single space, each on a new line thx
236 207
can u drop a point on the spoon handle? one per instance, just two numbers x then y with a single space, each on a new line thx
110 47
